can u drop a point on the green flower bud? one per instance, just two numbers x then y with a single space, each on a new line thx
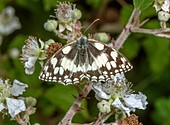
104 106
50 25
163 16
103 37
76 14
30 101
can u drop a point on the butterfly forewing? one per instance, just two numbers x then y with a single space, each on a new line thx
86 58
109 61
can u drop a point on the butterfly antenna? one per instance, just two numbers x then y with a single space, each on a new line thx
91 24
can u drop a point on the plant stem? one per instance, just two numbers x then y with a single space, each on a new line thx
157 32
19 120
133 22
76 106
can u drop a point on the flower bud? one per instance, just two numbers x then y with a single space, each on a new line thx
50 25
163 16
30 101
76 14
103 37
104 106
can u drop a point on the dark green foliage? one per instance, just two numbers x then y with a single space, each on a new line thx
149 54
142 4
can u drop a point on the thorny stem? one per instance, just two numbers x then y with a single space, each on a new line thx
157 32
133 22
102 118
133 26
76 106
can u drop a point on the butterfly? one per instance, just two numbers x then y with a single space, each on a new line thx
84 58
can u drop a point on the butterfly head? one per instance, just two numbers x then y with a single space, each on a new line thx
82 43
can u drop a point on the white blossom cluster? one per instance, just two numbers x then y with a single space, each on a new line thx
9 99
118 94
66 24
8 21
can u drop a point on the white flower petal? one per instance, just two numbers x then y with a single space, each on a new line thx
29 71
30 65
61 28
18 88
166 6
117 103
1 107
1 82
136 101
119 78
100 93
68 27
31 62
15 106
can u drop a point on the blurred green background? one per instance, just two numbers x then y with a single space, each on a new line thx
149 55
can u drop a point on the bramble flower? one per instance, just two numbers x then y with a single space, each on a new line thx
65 24
8 21
31 52
118 94
7 102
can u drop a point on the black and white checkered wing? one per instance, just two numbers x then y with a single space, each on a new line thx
86 58
60 66
107 62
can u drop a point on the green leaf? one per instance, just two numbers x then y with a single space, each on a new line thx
32 5
131 47
95 3
83 115
142 4
158 53
3 4
61 96
162 113
125 14
48 4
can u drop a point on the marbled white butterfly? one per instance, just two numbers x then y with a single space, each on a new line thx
84 58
